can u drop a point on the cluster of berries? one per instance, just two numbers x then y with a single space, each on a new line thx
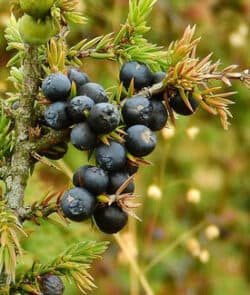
120 136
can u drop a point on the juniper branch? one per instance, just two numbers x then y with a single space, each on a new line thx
29 213
42 209
127 44
159 87
21 161
73 263
52 138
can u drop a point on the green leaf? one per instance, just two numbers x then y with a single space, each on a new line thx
7 138
138 13
104 41
75 17
16 77
16 59
12 35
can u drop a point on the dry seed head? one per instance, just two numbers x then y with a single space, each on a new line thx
212 232
154 192
193 246
193 196
204 256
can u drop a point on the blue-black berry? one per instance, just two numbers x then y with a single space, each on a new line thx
51 285
157 78
56 87
137 110
77 177
93 178
159 116
83 137
131 168
78 77
111 157
78 204
140 72
56 116
94 91
77 106
140 140
104 118
116 179
15 105
110 219
179 106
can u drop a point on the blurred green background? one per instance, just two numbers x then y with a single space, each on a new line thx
200 171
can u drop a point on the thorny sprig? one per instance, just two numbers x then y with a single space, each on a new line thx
56 53
15 41
188 73
73 263
127 44
42 209
11 232
69 12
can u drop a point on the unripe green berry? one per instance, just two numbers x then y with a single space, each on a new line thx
35 8
36 32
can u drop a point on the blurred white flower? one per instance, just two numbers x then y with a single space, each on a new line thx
168 132
212 232
193 195
238 38
204 256
243 29
193 246
154 192
192 132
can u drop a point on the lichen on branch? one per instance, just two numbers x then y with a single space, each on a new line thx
21 160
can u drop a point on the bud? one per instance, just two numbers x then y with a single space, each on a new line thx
168 132
154 192
193 196
212 232
193 246
204 256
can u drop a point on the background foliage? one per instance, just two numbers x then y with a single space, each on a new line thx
215 161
